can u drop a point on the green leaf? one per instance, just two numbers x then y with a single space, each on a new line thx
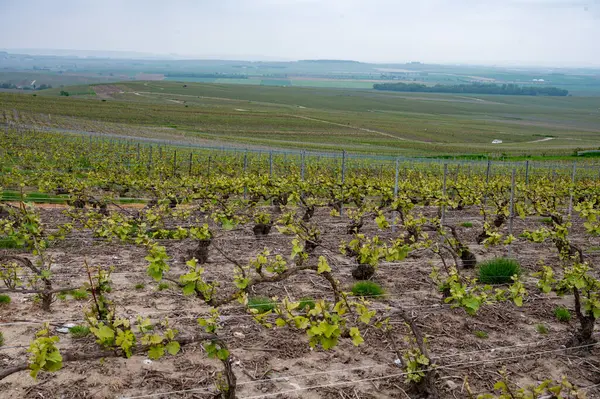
323 266
301 322
105 333
227 224
189 289
155 339
156 352
471 305
173 347
518 300
280 322
222 354
328 343
357 339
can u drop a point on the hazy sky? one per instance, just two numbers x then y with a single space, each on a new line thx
523 32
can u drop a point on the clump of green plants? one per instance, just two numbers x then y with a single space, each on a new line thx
541 328
61 296
4 300
9 243
562 314
140 286
498 271
261 304
481 334
79 331
307 303
79 295
467 224
1 339
163 286
547 221
366 289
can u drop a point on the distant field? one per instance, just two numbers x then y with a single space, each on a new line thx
296 82
275 82
319 118
55 79
340 84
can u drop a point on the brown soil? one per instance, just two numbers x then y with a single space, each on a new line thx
107 91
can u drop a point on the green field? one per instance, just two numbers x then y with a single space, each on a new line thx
362 121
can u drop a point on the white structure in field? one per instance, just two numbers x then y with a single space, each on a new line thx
496 141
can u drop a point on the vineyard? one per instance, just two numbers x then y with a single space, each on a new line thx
137 270
358 121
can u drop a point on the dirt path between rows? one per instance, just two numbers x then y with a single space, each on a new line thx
542 140
357 128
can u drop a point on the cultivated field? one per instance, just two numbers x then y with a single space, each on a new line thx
156 271
361 121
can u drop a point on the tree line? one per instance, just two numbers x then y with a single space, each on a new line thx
13 86
474 88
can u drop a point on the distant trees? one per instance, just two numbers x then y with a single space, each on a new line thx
474 88
6 85
64 93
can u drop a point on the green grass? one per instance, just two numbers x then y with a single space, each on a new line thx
307 302
80 295
541 329
498 271
140 286
562 314
78 332
467 224
1 339
4 299
9 243
481 334
9 195
163 286
261 304
367 289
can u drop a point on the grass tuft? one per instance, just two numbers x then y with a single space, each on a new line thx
481 334
541 328
367 288
562 314
80 295
79 331
163 286
498 271
307 302
9 243
140 286
4 299
262 304
467 224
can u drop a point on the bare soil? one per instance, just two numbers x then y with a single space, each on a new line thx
272 361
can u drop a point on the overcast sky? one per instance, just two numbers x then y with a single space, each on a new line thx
518 32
